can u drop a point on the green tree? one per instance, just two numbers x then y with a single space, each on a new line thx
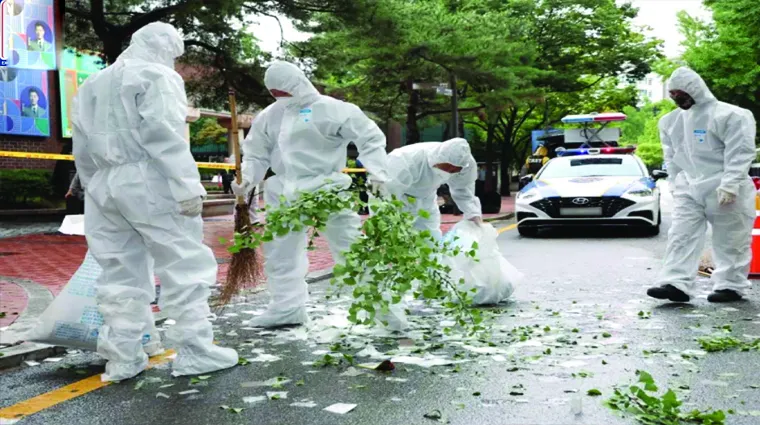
641 129
725 52
520 64
207 131
220 52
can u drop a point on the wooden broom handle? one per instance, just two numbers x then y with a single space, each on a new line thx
236 142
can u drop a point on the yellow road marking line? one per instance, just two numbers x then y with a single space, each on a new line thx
49 399
506 229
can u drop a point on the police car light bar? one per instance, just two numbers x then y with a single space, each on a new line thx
586 118
596 151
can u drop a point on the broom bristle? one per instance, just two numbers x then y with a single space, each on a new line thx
246 267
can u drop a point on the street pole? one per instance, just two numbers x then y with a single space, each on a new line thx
454 105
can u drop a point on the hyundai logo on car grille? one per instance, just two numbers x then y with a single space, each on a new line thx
581 201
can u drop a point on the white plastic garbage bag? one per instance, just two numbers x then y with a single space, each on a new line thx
492 276
72 319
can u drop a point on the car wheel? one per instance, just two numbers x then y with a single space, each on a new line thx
527 232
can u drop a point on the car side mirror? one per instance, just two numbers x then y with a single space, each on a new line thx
659 174
525 180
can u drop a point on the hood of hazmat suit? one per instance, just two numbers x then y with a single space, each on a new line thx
413 173
708 148
135 162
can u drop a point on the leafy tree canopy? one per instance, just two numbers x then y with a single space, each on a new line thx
221 52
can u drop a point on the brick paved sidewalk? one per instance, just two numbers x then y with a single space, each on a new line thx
51 259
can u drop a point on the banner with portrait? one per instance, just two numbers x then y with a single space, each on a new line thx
29 34
24 102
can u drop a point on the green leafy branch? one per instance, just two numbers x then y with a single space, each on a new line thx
650 409
717 343
390 259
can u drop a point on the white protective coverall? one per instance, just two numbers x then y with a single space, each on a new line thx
413 173
144 199
708 149
304 139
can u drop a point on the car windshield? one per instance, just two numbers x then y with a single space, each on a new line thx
592 167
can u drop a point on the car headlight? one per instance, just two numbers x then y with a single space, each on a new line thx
533 193
640 192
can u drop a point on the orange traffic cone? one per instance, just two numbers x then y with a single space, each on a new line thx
754 268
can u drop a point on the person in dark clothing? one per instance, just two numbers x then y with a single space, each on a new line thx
227 177
361 180
75 197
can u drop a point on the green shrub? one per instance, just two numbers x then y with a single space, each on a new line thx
21 187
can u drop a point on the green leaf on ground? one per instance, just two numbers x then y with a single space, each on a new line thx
594 392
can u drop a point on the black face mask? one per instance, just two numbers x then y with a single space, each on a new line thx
683 100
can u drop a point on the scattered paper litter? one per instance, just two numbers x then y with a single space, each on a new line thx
172 356
320 352
396 399
371 352
166 386
170 322
53 359
340 408
189 392
572 363
499 358
4 421
162 395
265 358
254 399
392 379
304 404
426 362
351 372
279 395
232 333
31 363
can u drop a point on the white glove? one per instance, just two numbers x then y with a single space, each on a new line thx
191 207
240 189
380 189
477 220
725 198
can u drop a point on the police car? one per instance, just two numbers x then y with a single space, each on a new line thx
591 186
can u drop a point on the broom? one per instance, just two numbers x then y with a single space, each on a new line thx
245 267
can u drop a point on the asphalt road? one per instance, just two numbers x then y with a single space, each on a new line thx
578 309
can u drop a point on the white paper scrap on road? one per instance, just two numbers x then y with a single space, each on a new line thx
573 363
265 358
72 225
352 372
254 399
4 421
162 395
31 363
371 352
172 356
280 395
189 392
426 362
499 358
305 403
53 359
392 379
340 408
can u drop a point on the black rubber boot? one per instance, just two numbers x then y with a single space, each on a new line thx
724 296
668 292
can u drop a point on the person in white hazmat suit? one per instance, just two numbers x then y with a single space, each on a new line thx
708 147
418 171
144 199
304 138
